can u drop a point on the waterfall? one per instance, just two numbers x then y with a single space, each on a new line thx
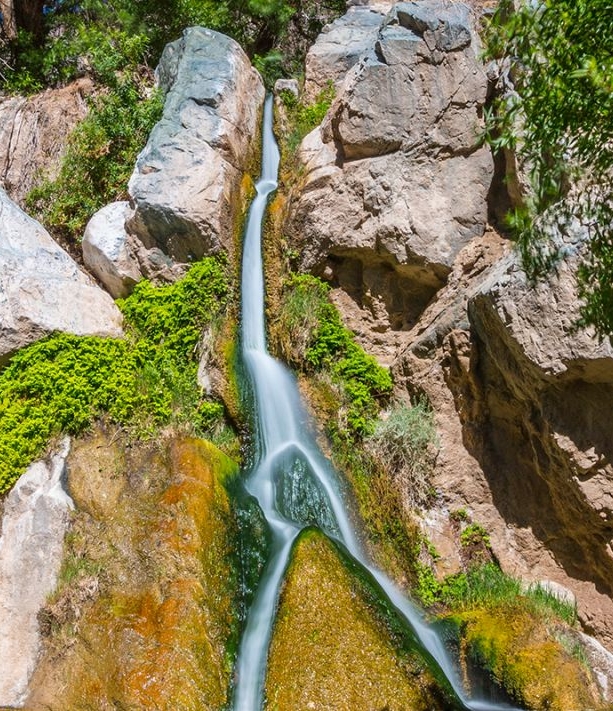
293 482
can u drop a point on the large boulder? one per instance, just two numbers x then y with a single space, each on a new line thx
34 133
42 288
522 399
378 213
186 184
36 516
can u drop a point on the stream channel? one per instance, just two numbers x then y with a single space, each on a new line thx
292 481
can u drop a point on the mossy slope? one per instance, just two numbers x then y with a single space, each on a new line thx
146 614
332 647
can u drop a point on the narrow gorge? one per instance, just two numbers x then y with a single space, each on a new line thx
284 422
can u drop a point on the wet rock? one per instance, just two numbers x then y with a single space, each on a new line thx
186 184
148 618
35 518
332 645
378 212
34 133
107 251
42 289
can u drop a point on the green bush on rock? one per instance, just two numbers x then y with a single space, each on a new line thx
63 382
314 337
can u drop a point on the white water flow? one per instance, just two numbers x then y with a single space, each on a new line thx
294 484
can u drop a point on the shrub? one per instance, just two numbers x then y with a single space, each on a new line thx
303 118
100 158
63 382
404 442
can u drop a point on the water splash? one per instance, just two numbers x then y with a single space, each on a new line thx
293 482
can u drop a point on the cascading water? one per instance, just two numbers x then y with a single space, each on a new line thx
294 484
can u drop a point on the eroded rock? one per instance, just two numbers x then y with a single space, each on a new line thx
35 519
379 205
186 184
522 400
42 289
34 133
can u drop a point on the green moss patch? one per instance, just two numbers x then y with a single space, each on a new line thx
146 380
332 647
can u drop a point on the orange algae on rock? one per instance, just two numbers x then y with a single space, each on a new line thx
156 629
332 650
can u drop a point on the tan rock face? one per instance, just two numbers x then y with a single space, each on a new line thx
378 214
42 289
523 407
186 184
34 132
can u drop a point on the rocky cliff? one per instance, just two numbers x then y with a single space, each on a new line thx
393 213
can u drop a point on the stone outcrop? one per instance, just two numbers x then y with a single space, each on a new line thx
379 213
35 518
34 133
186 184
108 252
42 289
522 398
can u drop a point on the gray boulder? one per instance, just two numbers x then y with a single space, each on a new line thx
340 45
42 289
396 179
35 519
186 185
107 251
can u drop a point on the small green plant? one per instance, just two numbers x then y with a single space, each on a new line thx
303 118
405 442
474 534
63 382
314 337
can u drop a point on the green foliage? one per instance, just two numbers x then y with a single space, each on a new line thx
149 379
474 534
303 118
404 442
561 123
99 161
326 345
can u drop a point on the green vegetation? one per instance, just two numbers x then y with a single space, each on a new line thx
561 123
313 337
63 382
303 118
100 158
404 442
101 38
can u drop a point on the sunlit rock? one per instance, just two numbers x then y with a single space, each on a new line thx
42 289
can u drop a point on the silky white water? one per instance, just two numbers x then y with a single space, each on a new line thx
294 484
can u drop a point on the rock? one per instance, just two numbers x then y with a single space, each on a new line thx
290 85
378 210
36 516
331 646
107 252
34 133
148 617
42 289
521 396
186 184
339 46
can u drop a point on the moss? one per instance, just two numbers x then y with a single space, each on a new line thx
523 654
333 649
151 618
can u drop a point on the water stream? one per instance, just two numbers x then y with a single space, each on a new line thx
292 481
